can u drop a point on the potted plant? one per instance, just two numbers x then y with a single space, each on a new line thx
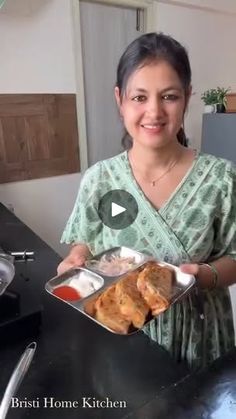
215 99
222 100
210 98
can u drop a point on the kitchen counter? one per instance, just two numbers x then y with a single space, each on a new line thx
78 364
75 358
210 394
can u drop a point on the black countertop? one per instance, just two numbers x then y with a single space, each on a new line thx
210 394
76 359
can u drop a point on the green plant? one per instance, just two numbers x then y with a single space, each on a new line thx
222 92
214 96
210 97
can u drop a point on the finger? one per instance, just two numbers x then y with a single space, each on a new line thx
63 267
79 262
190 268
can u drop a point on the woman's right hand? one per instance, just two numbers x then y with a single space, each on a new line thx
76 258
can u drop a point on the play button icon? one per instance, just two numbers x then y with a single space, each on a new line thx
117 209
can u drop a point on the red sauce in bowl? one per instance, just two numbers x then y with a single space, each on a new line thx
67 293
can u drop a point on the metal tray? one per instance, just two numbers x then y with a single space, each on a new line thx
95 264
182 284
81 279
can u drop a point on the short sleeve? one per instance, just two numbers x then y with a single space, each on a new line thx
225 220
84 224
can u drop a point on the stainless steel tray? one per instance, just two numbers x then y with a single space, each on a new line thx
182 283
84 281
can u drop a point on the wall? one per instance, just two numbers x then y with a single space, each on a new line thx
212 55
227 6
44 205
36 47
37 57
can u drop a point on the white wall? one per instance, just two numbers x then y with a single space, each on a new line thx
36 48
44 205
209 38
36 52
227 6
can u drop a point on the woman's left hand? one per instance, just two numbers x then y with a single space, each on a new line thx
222 274
202 273
190 268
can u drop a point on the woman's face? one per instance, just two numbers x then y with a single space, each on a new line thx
153 105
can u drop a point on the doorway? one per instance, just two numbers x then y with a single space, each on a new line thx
106 28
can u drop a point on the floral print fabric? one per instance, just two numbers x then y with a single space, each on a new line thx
196 224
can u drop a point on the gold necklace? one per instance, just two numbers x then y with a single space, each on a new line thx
154 181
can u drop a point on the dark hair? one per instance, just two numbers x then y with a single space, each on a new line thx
147 49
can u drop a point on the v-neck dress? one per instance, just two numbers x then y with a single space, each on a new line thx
196 224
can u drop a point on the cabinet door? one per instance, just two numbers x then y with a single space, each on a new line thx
12 148
38 136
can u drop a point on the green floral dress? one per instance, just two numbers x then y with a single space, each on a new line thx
196 224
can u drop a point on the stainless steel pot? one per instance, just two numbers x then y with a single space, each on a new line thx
7 269
7 272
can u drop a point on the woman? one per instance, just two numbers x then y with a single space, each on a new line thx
186 200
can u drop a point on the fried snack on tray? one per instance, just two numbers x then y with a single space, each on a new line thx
130 301
155 284
89 306
106 310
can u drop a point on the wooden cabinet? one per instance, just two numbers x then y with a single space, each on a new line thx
231 102
38 136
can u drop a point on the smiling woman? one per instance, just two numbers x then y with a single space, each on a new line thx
186 201
176 83
153 104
